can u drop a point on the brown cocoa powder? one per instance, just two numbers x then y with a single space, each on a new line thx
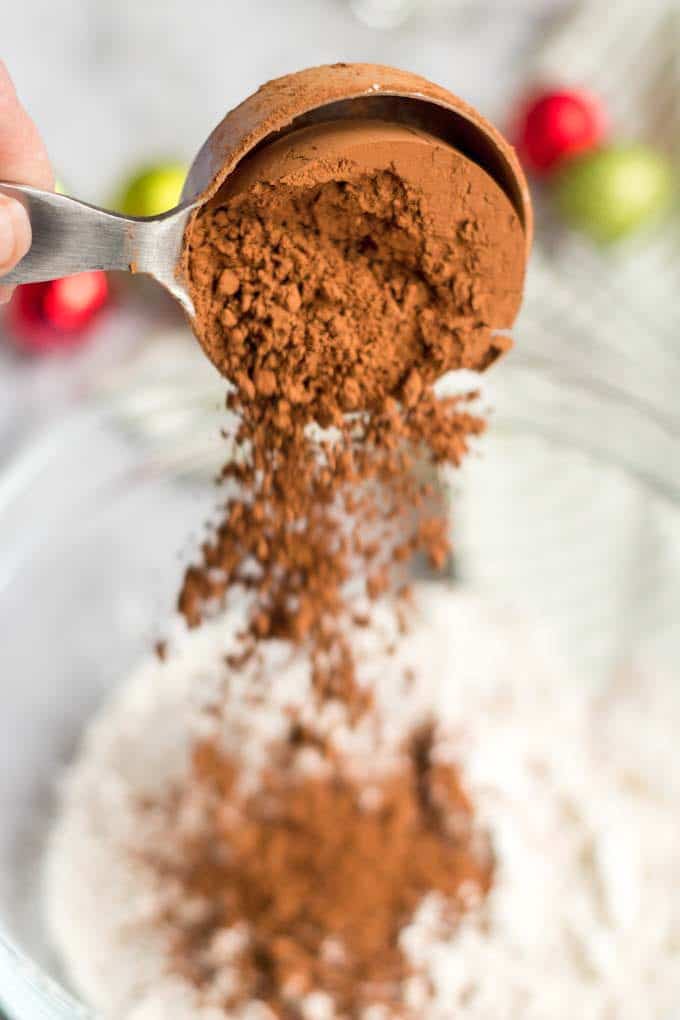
335 278
309 517
330 288
344 257
322 876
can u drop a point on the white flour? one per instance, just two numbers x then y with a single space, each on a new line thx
581 797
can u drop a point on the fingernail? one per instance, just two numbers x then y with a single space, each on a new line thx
15 233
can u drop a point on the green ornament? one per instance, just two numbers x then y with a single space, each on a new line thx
153 190
616 190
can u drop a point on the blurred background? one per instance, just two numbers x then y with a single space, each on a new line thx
572 506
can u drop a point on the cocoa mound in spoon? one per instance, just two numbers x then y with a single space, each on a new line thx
346 260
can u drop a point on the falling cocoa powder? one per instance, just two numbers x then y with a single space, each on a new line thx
309 516
319 877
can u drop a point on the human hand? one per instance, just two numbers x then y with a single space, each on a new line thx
23 160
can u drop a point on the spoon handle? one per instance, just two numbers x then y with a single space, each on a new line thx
69 236
72 237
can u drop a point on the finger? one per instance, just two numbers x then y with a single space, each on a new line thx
23 157
23 160
15 238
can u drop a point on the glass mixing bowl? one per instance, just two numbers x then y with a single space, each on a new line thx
578 525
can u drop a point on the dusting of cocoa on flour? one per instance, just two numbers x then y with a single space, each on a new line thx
320 876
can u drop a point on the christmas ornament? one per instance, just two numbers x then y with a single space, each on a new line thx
56 315
153 190
557 125
615 191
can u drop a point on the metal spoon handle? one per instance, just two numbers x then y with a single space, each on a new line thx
72 237
69 236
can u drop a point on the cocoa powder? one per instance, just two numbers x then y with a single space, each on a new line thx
335 277
342 258
336 287
311 515
320 877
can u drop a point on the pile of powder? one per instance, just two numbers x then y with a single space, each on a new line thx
318 873
323 279
343 270
576 800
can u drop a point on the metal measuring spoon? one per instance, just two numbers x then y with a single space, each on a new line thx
71 236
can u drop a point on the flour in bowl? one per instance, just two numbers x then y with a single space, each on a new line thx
575 796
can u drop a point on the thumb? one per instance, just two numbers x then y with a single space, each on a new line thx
15 233
23 160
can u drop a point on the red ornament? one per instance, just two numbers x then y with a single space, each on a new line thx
56 315
556 125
